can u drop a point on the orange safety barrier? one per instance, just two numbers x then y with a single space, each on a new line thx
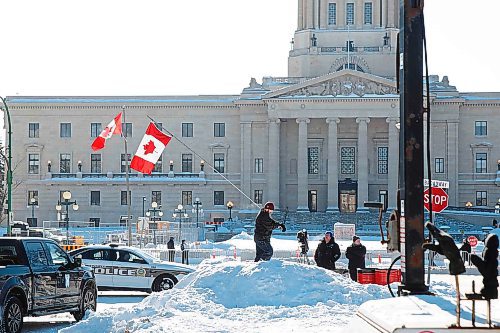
78 240
71 247
366 275
381 276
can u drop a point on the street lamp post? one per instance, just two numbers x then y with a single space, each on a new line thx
32 204
67 202
230 206
181 212
155 208
198 209
9 168
143 203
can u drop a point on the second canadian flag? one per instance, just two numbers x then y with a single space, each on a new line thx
150 149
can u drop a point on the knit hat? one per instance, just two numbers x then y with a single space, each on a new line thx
269 205
355 238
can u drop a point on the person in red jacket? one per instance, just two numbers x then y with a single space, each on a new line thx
356 255
264 226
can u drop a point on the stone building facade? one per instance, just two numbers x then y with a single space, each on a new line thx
323 139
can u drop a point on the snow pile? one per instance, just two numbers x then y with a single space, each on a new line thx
234 296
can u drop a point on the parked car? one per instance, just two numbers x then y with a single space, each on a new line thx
119 267
37 278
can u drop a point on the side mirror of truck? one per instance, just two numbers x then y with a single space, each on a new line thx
77 261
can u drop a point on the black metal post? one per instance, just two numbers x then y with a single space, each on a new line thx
66 219
411 163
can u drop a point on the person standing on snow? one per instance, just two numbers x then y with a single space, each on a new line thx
171 249
327 252
356 255
264 226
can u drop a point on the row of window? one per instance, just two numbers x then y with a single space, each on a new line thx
347 162
480 129
349 13
96 129
186 197
96 163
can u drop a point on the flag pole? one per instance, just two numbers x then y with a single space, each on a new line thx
211 166
129 222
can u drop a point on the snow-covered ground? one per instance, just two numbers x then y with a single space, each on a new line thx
227 295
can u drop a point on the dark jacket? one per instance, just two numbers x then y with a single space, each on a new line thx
466 247
356 255
170 244
264 226
327 254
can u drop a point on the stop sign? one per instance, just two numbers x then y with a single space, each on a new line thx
439 199
472 240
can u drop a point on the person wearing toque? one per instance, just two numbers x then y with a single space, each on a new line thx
264 226
356 254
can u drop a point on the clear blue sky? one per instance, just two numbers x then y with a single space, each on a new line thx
124 47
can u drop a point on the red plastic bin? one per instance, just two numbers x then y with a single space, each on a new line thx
381 276
366 275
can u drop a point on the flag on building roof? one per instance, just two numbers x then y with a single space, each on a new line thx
150 149
114 127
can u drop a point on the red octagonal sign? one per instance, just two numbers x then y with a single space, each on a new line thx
439 199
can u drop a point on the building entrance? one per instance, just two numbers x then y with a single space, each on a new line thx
313 201
348 193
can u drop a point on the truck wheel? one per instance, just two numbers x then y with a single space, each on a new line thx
12 321
164 282
88 302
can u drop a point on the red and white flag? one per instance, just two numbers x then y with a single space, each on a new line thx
114 127
150 149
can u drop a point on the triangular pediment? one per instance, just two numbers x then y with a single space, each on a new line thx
348 83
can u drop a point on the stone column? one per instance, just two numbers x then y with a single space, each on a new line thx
390 13
302 181
246 165
362 162
323 14
333 170
452 163
300 15
309 14
316 14
273 174
393 164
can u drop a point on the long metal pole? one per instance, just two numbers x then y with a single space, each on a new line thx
9 168
129 197
66 203
411 163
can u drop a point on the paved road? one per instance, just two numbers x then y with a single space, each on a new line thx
53 323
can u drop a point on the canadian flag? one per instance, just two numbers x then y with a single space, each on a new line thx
150 149
114 127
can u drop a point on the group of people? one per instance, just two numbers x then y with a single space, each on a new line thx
326 254
184 250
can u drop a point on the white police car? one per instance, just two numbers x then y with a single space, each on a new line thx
126 268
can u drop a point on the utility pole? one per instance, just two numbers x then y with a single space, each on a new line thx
411 157
9 169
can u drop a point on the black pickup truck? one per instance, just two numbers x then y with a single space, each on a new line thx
38 278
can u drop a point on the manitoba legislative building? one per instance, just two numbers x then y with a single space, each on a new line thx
323 139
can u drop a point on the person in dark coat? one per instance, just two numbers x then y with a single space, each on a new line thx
466 250
171 249
327 252
185 252
264 226
356 254
488 267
